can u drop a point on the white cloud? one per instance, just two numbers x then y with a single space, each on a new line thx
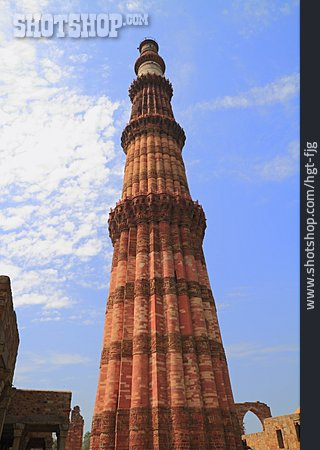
128 6
281 166
239 292
139 6
31 6
249 350
252 16
80 57
60 177
84 316
51 70
49 319
36 364
233 297
41 286
41 6
278 91
62 359
221 306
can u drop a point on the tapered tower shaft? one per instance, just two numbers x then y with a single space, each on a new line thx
163 381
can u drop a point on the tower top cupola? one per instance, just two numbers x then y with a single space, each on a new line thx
149 60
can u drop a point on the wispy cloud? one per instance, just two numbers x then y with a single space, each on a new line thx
233 297
278 91
61 359
249 350
31 5
37 364
83 316
279 168
41 6
80 57
128 6
239 292
252 16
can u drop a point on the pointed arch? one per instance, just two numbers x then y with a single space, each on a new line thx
261 410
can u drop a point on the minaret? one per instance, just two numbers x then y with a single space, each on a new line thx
163 381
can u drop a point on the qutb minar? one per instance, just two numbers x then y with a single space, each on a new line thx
164 381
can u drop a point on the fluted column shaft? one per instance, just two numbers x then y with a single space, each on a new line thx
163 381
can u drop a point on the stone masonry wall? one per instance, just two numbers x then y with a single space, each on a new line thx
39 405
9 341
9 337
267 439
75 433
261 410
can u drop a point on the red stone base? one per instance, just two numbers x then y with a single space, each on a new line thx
153 429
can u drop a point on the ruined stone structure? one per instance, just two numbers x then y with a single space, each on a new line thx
163 381
278 432
29 417
9 342
75 433
33 416
261 410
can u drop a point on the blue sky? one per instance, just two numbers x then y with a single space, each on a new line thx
234 66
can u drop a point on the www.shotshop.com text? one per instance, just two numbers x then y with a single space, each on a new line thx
311 172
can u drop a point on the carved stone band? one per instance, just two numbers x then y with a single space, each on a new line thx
150 79
157 208
161 123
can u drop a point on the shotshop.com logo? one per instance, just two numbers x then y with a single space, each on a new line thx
74 25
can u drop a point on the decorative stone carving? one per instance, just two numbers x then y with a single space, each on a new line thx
148 80
156 208
152 122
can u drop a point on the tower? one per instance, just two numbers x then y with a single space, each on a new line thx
163 381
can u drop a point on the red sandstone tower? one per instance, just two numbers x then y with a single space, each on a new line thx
164 381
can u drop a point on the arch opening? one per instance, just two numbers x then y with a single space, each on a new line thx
252 423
